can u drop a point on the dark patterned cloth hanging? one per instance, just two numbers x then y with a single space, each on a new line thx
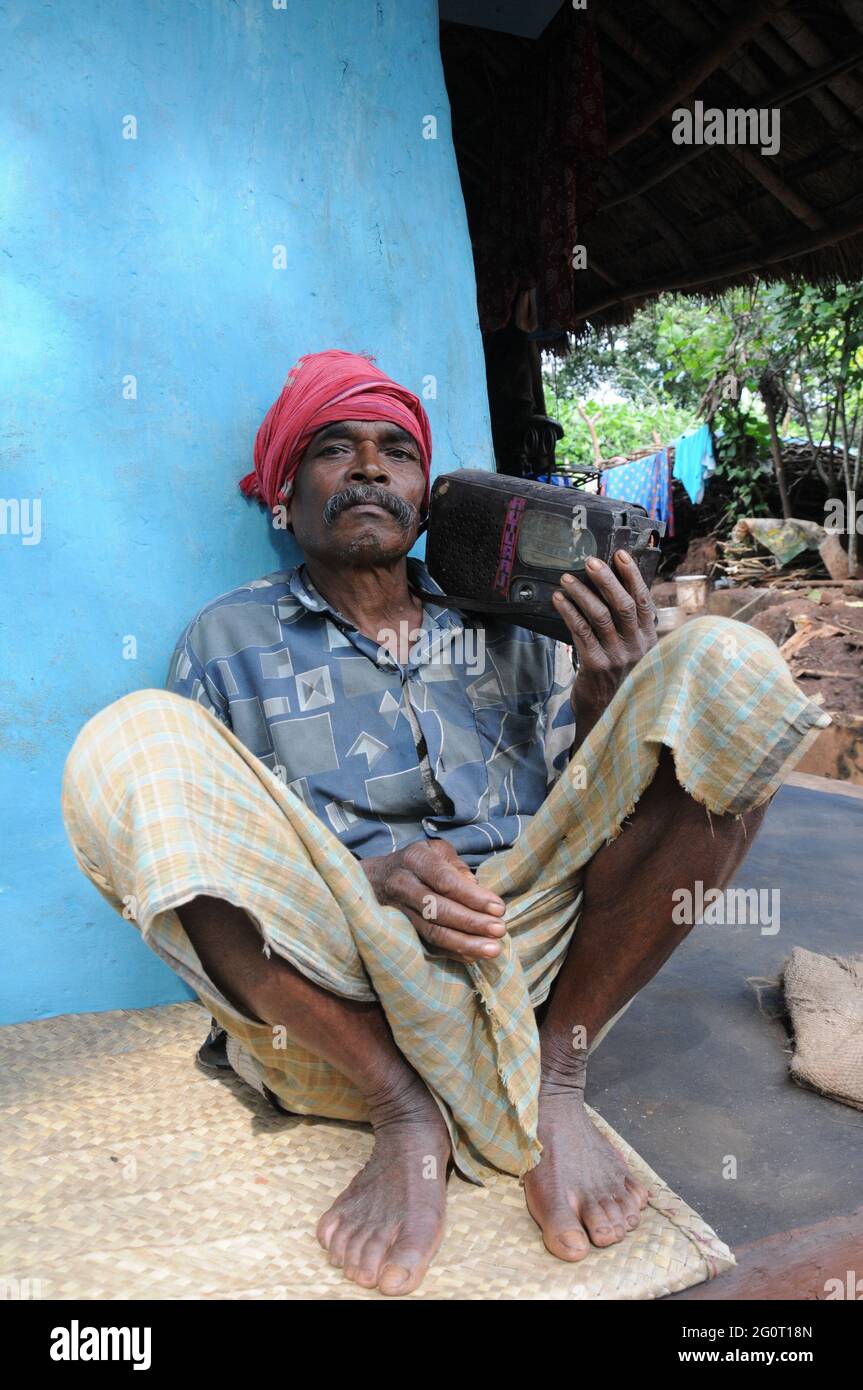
548 134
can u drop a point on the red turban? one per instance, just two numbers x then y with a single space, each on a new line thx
323 388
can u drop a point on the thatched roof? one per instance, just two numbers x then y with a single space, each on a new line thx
699 218
702 217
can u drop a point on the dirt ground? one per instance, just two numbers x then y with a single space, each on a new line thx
814 624
819 631
823 661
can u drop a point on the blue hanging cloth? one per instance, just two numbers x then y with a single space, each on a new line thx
647 482
555 479
694 460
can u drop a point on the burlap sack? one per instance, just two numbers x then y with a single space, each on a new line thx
824 995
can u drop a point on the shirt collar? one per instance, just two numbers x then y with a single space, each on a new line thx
304 590
301 586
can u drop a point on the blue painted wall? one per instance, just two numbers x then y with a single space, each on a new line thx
152 258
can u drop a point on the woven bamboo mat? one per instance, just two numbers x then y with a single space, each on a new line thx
129 1173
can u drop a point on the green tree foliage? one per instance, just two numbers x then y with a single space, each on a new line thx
759 362
825 388
622 428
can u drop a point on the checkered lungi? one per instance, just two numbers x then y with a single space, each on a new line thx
163 803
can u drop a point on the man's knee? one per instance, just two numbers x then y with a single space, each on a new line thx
141 707
120 734
134 715
717 650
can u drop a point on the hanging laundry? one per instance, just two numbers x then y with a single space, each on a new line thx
555 479
694 460
647 482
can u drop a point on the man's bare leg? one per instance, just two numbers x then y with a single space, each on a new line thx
386 1226
581 1190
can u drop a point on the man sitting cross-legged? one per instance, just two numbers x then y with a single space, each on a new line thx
381 840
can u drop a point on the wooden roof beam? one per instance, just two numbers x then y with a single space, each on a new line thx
628 43
602 273
773 183
854 11
702 66
695 24
728 269
783 96
829 107
670 234
700 23
665 171
685 252
757 168
809 81
626 66
812 49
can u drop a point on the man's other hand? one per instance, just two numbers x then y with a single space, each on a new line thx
438 892
611 630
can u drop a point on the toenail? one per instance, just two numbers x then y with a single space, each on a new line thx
573 1240
395 1276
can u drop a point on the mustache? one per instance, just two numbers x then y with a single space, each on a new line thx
405 513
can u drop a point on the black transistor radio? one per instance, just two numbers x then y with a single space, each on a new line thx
498 545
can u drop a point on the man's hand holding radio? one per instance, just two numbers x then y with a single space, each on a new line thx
611 629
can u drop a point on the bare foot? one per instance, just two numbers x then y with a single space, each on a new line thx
386 1226
581 1192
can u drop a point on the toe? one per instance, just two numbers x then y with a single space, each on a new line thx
564 1235
616 1218
339 1242
599 1227
353 1255
326 1227
397 1278
407 1260
630 1208
368 1262
639 1191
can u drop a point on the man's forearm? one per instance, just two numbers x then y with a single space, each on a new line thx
585 718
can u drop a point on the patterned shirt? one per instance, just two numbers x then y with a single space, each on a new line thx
463 741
